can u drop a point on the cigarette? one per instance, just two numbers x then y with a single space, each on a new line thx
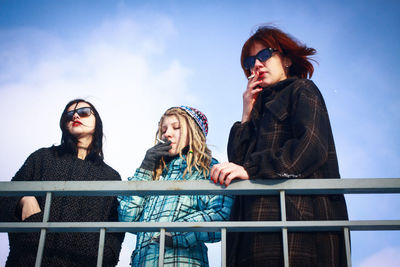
161 141
251 76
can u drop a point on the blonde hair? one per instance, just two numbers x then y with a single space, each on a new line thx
199 155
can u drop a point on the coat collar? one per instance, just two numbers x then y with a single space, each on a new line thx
177 163
271 99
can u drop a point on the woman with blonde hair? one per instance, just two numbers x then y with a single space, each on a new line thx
180 154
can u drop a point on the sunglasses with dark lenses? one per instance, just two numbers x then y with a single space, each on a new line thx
82 112
262 56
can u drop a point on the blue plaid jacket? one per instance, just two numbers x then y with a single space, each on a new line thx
188 248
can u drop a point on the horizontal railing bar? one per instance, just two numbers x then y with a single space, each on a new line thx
244 226
254 187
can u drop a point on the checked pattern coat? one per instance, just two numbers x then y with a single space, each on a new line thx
289 136
187 248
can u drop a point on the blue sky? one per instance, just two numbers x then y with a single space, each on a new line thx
134 59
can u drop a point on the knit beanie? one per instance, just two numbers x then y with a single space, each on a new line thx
198 116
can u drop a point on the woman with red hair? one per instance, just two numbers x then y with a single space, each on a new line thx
284 133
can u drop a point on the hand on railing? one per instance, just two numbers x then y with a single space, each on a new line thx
224 173
29 206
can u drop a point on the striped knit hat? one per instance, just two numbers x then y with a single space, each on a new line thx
198 116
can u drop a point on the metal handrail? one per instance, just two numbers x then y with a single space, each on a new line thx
279 187
254 187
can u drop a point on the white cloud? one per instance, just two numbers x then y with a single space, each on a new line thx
388 257
113 67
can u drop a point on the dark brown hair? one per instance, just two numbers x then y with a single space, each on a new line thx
69 142
286 45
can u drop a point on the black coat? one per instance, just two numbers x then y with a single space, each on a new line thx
63 249
288 136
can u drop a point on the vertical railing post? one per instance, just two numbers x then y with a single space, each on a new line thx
162 248
101 247
223 247
347 245
285 244
43 231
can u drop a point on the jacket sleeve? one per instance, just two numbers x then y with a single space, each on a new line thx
239 140
131 207
307 149
10 211
211 208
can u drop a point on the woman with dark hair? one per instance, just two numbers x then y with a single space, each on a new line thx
78 158
284 133
70 143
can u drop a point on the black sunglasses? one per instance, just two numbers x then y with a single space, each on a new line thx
82 112
262 56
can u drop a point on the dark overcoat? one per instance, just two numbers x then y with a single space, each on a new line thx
63 249
288 136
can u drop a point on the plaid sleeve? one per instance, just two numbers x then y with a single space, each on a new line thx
212 208
131 207
209 208
238 143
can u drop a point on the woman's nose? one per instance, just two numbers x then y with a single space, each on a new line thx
75 116
168 133
257 64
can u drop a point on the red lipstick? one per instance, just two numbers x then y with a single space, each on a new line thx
76 123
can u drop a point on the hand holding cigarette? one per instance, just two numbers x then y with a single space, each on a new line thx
251 76
160 141
154 154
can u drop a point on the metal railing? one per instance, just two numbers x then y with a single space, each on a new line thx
281 187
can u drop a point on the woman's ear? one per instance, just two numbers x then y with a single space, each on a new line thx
287 62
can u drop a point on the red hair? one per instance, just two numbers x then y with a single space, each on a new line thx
286 45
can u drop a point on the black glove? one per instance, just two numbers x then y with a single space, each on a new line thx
168 240
154 154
